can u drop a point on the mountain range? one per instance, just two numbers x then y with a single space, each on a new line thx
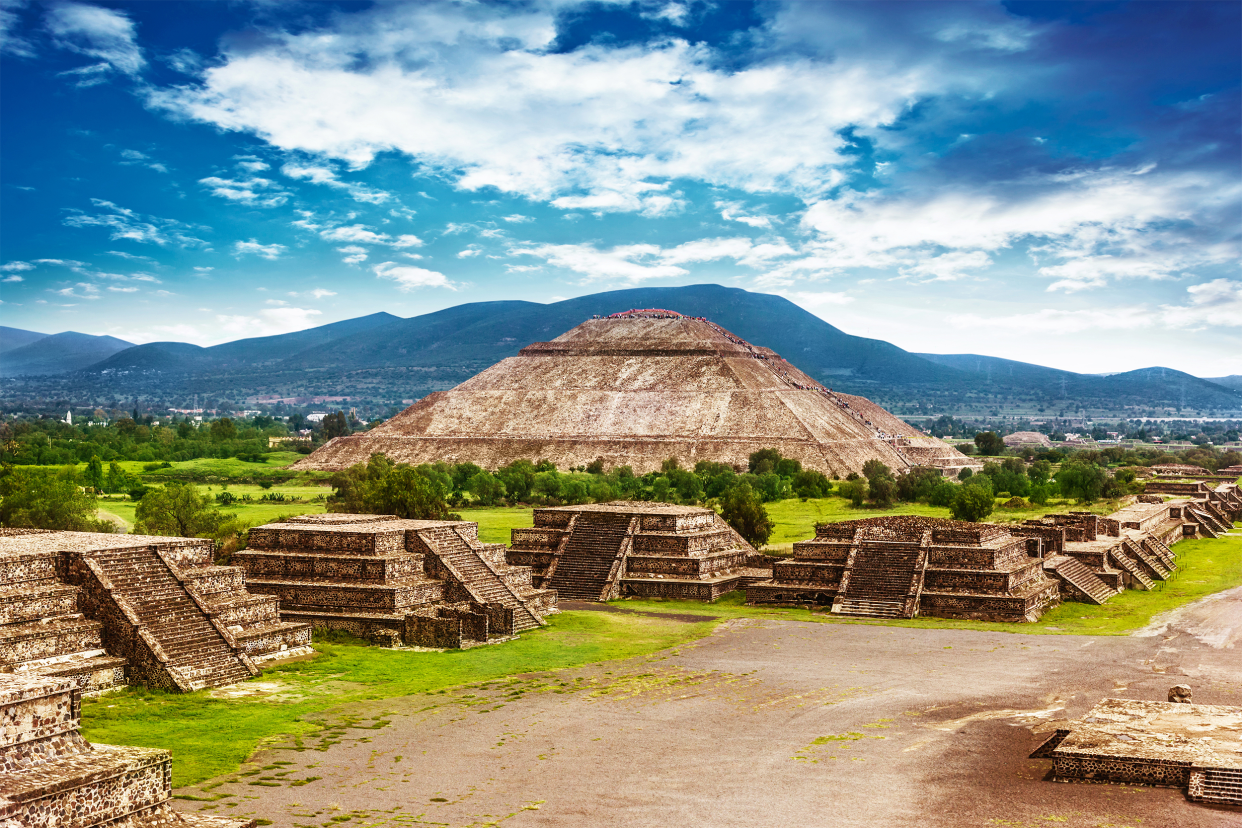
384 358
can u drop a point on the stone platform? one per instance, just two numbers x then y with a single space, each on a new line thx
902 566
50 777
416 582
1197 747
600 551
105 609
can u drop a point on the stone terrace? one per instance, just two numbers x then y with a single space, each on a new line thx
902 566
419 582
1197 747
102 608
50 777
596 552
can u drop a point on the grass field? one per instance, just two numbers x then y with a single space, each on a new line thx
253 513
210 736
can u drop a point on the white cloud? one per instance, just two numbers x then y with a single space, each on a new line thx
97 32
266 251
251 164
1214 303
601 128
13 278
353 254
733 211
947 267
518 219
409 278
82 290
127 224
472 250
320 293
116 289
16 267
134 157
640 262
202 269
354 233
10 41
269 321
406 240
255 192
322 174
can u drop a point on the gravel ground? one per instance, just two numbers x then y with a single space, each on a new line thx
762 724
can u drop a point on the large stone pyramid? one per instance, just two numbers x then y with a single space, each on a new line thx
634 389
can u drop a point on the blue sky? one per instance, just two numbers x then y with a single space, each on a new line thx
1058 183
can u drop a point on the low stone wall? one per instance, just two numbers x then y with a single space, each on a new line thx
1120 770
286 566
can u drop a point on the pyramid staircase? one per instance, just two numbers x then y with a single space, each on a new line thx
1208 520
196 651
1221 786
585 565
880 576
1132 567
1080 576
1156 568
43 633
1161 550
485 581
50 777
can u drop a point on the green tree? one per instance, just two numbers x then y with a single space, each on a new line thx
1085 481
335 425
882 490
486 488
47 499
94 474
743 509
178 509
764 460
854 490
972 503
811 483
384 488
990 443
222 430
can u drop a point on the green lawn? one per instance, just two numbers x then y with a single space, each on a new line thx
210 736
494 524
254 513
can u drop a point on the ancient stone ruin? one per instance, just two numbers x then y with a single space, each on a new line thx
598 552
103 610
635 389
1196 747
902 566
419 582
50 777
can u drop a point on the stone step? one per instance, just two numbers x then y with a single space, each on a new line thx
869 608
1079 575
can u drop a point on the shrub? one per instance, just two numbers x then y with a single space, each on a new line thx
972 503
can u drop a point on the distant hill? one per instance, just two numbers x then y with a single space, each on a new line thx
1154 385
1232 381
247 354
58 354
11 338
384 358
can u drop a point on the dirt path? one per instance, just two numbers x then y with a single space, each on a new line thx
122 524
764 723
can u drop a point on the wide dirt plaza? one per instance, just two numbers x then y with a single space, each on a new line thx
763 722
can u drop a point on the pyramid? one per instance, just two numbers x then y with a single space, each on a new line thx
636 388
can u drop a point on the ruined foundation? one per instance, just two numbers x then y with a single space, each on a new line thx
598 552
1196 747
50 777
427 583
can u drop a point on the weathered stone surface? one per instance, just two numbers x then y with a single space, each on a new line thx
422 582
103 608
52 778
638 388
600 551
1173 744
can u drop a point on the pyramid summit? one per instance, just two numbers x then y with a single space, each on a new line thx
636 388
